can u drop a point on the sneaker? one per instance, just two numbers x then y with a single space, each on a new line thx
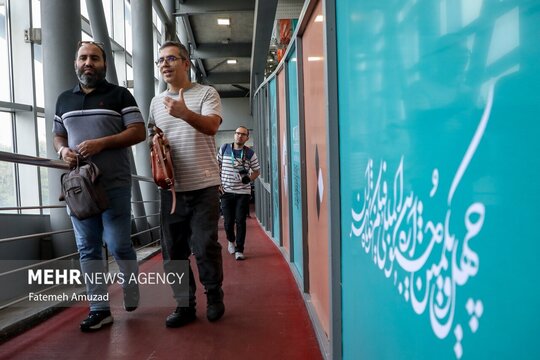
131 298
96 319
180 317
239 255
214 305
231 247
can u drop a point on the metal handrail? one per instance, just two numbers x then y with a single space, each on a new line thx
23 298
144 231
38 264
31 160
143 178
30 236
145 216
76 253
149 244
32 207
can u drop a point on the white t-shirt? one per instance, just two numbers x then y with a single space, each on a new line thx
193 153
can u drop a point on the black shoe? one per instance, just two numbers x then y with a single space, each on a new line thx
215 307
131 298
96 319
180 317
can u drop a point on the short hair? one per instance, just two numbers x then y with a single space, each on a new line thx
181 48
242 126
98 44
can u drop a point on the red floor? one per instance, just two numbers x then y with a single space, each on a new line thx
265 318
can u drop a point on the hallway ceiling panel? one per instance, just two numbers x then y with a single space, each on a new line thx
212 44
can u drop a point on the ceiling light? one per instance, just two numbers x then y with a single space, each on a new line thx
319 18
231 61
224 21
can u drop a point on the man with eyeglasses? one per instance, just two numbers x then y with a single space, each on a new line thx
99 121
239 168
189 114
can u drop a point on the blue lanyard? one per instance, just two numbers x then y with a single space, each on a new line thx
235 158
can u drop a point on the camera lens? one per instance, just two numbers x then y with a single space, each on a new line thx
246 180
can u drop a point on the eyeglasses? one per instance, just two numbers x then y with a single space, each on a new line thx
169 59
99 44
241 134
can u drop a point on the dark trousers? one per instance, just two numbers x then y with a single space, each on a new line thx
235 208
193 228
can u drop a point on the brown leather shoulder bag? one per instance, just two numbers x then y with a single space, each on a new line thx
162 165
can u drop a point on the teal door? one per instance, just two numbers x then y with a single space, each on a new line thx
272 101
295 164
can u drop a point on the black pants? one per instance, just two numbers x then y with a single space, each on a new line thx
193 228
235 209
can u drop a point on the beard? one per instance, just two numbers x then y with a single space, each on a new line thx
91 80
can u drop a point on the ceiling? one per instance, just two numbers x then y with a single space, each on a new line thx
247 40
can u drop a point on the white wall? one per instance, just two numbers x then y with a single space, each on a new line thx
236 112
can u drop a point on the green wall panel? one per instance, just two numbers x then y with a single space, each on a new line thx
295 162
439 104
274 138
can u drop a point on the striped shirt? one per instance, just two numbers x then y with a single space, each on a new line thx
232 162
193 153
107 110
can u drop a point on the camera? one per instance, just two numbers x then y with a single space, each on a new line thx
245 177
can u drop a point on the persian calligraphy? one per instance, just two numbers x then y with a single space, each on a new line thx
427 261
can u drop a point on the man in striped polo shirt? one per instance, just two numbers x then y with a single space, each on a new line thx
100 121
189 115
239 167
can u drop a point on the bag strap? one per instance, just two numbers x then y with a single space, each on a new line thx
244 154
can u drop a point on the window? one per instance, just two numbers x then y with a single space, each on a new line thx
43 173
84 9
5 94
157 22
108 16
7 169
38 71
38 56
127 19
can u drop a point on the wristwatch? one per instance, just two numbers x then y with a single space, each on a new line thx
60 152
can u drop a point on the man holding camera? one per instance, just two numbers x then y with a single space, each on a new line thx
239 167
